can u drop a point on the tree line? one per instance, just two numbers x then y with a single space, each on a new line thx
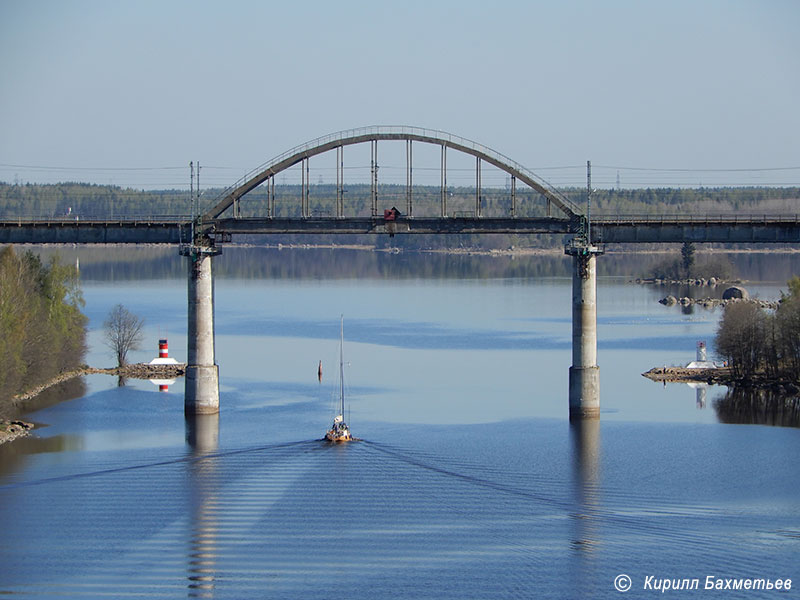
762 344
42 329
71 200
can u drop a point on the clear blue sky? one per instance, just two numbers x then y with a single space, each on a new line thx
95 87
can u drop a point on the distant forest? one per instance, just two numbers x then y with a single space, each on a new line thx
78 200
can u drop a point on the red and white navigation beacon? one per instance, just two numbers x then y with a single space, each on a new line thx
163 359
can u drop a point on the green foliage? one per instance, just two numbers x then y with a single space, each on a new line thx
687 257
41 325
794 289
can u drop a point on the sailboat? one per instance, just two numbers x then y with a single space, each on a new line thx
339 431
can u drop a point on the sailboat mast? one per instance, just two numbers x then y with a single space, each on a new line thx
341 367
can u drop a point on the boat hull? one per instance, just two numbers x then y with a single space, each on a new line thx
336 438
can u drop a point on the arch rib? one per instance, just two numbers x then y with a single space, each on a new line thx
373 134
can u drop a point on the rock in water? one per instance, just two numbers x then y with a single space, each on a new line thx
736 292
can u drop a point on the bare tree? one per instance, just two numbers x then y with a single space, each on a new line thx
787 319
742 337
123 332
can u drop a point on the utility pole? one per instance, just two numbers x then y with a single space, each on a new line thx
197 192
589 202
191 188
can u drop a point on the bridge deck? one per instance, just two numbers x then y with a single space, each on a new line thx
155 230
605 229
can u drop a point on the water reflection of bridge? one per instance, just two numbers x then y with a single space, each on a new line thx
542 209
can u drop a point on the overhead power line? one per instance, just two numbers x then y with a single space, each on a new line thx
664 170
61 168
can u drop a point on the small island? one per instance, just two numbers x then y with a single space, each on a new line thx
720 376
759 344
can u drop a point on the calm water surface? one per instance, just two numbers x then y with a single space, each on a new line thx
468 481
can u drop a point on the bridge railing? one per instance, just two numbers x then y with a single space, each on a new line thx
733 218
154 220
649 219
433 134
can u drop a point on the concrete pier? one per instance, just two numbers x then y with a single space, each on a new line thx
584 374
202 374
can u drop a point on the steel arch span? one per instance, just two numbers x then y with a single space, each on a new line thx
380 133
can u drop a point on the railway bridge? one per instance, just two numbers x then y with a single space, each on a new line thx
536 207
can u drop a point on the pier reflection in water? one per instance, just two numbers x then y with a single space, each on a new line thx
585 444
202 436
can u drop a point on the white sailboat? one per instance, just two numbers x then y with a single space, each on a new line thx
339 431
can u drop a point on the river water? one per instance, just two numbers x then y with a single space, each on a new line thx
468 481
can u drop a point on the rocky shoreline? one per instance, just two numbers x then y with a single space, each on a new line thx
715 302
13 429
699 282
734 293
719 376
142 371
683 375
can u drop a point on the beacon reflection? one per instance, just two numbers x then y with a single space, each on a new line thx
701 390
202 436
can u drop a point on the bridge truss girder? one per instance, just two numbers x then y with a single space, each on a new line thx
231 197
372 225
605 230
